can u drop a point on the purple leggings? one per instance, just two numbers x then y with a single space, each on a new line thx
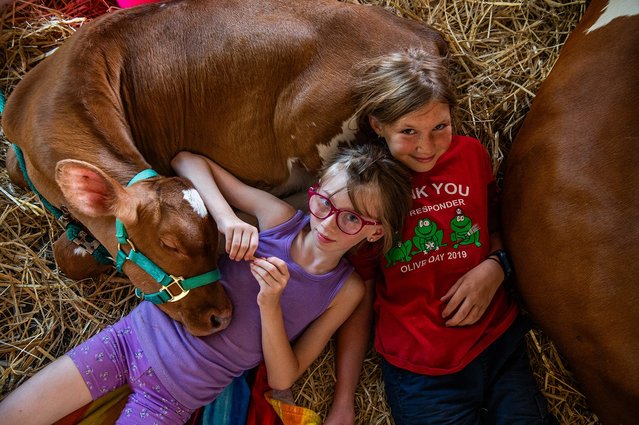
113 358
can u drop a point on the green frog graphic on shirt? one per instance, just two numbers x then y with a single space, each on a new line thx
399 252
462 230
428 237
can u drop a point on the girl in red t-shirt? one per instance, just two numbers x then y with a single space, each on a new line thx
451 339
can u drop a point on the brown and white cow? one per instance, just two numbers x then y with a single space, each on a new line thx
571 207
261 87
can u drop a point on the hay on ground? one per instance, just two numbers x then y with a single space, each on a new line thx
501 51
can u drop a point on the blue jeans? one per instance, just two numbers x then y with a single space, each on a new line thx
495 388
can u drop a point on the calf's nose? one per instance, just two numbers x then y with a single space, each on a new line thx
220 319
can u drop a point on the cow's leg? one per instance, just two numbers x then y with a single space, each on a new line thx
13 169
75 262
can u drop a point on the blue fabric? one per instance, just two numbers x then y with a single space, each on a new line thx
230 407
496 388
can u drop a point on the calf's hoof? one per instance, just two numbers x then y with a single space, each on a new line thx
76 262
13 169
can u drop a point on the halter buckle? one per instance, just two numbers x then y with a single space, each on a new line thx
175 281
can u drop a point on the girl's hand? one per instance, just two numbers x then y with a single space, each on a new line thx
471 295
241 238
272 275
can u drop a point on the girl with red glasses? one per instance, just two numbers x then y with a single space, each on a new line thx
287 280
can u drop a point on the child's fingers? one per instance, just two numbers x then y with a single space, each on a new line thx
242 243
277 265
273 271
452 305
257 274
266 270
228 238
460 315
250 242
232 244
237 251
268 284
451 292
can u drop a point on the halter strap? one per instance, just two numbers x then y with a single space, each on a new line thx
73 230
173 288
143 175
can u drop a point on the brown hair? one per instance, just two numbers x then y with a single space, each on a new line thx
376 183
391 86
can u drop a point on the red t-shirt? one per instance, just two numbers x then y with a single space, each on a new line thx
437 247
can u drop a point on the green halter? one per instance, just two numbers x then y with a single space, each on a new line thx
73 230
173 288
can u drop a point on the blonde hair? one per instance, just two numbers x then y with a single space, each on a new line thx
391 86
374 177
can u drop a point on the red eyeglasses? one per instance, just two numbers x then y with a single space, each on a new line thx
348 221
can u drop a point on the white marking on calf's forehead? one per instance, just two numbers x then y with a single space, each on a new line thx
80 252
615 9
195 200
349 128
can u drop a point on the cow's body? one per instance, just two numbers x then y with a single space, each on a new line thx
571 201
256 86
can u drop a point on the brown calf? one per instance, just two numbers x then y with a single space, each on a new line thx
571 202
263 88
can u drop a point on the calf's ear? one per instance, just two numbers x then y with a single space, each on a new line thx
89 190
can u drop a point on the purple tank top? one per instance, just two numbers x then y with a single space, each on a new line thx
196 369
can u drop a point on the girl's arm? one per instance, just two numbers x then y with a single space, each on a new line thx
284 363
220 190
352 344
471 295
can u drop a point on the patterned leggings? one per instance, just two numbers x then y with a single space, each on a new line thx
113 358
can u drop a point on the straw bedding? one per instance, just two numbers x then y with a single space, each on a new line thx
501 51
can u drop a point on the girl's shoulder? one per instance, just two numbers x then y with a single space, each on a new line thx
274 214
290 224
466 140
469 144
351 292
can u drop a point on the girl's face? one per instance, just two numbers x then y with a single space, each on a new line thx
326 231
418 139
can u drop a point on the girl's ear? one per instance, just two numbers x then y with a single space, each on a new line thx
375 125
377 235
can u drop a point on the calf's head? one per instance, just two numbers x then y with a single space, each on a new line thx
167 222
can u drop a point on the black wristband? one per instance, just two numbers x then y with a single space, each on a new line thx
503 260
